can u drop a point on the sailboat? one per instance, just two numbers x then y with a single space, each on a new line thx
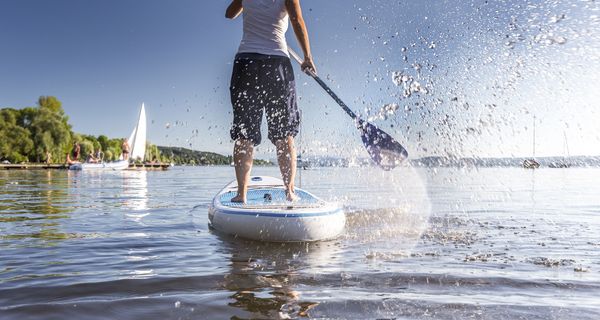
137 144
563 163
137 139
532 163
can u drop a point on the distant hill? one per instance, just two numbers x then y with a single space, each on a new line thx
437 161
576 161
184 156
181 156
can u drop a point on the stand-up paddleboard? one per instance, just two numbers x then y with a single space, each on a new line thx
116 165
268 216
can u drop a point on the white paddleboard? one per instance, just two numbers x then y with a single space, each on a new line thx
268 216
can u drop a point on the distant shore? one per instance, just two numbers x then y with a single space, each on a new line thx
59 166
187 157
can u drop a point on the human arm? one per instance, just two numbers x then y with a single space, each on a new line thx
295 13
234 9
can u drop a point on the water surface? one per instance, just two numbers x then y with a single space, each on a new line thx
491 243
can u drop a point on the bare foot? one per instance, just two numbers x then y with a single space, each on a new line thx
239 198
291 197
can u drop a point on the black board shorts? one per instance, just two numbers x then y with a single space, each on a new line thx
263 82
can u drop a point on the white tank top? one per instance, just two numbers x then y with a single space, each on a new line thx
265 24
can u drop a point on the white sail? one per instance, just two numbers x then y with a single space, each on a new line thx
131 137
137 140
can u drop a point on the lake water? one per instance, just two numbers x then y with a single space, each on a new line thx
494 243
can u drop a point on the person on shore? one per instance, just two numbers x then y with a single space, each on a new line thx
125 149
91 158
99 155
76 151
48 157
263 81
73 157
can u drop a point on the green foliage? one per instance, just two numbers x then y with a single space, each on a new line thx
103 141
16 143
26 116
33 131
88 143
192 157
51 104
114 146
30 133
87 147
49 133
154 154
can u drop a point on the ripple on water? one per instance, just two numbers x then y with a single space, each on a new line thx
154 256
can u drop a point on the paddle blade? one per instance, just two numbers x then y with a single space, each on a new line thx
383 149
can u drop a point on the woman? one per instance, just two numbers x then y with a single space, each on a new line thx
263 81
73 156
91 158
125 149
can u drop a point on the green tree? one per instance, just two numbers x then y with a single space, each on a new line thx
49 134
103 140
26 116
53 105
87 147
95 143
153 154
108 155
114 146
16 144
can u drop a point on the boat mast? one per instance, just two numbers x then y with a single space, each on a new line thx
534 137
566 146
299 160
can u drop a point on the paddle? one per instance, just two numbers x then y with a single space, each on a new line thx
383 149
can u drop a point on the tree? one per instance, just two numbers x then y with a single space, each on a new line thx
26 116
30 133
108 155
48 128
87 147
52 104
114 146
103 140
16 144
95 144
153 154
49 133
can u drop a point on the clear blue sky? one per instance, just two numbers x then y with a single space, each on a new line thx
487 66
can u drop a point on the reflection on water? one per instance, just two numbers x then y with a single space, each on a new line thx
492 247
130 187
263 276
35 204
32 205
135 194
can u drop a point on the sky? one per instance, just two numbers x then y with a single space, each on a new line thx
461 78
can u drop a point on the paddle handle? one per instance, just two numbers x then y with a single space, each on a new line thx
325 87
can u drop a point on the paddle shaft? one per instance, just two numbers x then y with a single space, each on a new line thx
326 87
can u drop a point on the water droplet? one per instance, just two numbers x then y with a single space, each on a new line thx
557 18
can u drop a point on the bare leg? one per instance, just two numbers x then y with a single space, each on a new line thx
243 153
286 156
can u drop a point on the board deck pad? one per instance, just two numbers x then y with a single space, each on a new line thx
271 198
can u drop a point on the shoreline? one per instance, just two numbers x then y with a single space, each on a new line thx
62 166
